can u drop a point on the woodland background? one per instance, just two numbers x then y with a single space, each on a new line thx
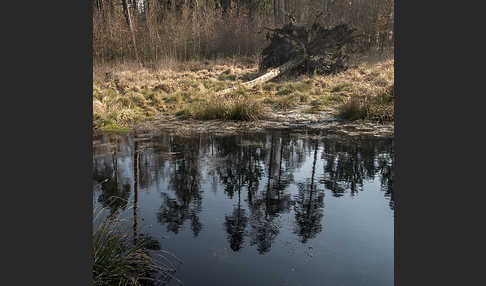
160 31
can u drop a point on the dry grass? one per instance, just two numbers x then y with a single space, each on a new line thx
237 106
242 110
369 93
126 95
118 260
377 108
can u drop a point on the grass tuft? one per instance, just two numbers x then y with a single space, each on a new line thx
378 108
118 260
238 109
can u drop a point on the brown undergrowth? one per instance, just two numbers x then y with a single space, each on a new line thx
123 96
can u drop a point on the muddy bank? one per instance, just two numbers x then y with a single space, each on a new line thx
326 123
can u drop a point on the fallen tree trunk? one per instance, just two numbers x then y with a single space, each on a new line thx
271 74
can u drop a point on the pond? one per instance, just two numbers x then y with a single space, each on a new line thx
271 208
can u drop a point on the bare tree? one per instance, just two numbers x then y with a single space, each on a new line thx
276 6
128 18
193 29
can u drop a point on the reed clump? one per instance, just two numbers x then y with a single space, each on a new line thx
119 259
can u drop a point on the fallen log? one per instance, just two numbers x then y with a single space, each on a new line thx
269 75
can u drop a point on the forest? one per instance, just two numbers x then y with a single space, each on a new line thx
155 31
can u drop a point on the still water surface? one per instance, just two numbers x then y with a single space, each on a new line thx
273 208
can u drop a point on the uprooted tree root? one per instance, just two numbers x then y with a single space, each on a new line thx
324 51
304 50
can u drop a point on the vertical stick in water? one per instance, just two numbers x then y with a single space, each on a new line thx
136 172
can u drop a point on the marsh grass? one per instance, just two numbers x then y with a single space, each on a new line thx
283 102
237 106
114 110
293 87
378 108
353 110
329 100
133 95
119 260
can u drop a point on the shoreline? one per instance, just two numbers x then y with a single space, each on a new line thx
324 123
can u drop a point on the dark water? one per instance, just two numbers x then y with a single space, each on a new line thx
262 209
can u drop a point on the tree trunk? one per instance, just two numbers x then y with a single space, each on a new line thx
286 11
225 4
276 5
99 4
251 9
273 73
129 21
134 5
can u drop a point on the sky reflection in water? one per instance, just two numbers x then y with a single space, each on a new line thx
263 209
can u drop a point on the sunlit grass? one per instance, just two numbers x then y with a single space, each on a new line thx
239 108
137 96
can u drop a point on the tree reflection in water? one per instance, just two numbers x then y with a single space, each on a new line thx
256 171
236 226
349 164
115 191
185 183
309 204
